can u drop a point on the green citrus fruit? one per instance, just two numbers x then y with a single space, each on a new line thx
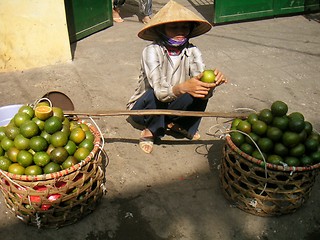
51 167
292 161
2 132
244 126
281 122
259 127
274 159
53 124
16 168
84 127
33 170
70 161
274 133
27 109
4 163
6 143
86 143
246 148
66 129
89 135
311 144
46 136
315 156
279 108
252 118
12 154
39 122
280 149
12 131
296 124
43 112
290 139
58 112
59 139
41 158
38 144
234 123
77 135
59 155
81 153
2 152
296 115
20 118
297 151
71 147
253 139
266 116
208 76
24 158
308 127
306 160
50 149
265 144
256 154
303 135
315 135
29 129
237 138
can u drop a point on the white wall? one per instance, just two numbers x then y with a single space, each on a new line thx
33 33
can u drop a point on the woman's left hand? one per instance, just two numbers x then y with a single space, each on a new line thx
220 78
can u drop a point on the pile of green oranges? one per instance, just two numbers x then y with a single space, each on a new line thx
42 140
281 137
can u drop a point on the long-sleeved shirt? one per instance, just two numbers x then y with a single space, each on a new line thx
160 73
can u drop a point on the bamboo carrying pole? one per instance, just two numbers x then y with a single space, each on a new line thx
158 112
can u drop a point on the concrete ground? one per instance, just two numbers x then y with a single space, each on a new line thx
174 193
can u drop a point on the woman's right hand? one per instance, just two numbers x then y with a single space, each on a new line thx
194 86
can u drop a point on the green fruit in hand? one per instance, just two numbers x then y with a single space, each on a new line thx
208 76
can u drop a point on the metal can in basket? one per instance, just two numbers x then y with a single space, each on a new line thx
261 188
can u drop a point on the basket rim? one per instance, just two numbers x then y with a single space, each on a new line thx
269 165
29 178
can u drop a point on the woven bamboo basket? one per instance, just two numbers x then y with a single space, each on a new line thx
57 199
261 188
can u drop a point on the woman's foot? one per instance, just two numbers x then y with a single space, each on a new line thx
146 141
116 15
146 19
176 128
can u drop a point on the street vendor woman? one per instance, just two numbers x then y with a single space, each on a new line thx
171 69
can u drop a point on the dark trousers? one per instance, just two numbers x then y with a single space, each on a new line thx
158 124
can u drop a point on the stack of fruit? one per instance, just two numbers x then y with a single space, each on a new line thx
42 140
282 138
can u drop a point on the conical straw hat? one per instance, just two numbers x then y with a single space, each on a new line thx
173 12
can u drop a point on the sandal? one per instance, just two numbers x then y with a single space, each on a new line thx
146 143
176 128
116 16
146 19
118 19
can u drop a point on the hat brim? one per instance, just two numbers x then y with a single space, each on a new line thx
150 33
170 13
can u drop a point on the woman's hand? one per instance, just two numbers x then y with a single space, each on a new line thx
196 88
220 78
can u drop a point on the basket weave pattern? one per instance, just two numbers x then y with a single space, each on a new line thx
58 199
262 191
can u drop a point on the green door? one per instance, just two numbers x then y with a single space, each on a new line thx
235 10
85 17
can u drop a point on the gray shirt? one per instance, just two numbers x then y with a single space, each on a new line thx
160 73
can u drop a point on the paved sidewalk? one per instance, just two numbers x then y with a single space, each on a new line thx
174 193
